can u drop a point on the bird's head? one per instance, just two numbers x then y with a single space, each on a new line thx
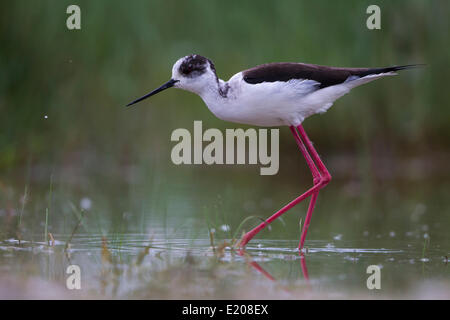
192 73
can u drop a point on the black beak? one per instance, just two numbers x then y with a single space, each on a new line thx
165 86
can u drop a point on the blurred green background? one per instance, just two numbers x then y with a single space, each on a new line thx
68 145
394 129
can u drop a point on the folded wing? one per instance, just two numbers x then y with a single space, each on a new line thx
325 76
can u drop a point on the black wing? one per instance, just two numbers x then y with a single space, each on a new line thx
326 76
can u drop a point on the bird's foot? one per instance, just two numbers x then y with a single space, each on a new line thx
243 242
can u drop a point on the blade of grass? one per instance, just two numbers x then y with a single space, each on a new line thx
46 225
22 209
47 210
24 200
81 216
244 221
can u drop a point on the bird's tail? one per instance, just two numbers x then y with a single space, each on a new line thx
390 69
361 76
357 78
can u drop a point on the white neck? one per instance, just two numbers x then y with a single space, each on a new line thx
214 91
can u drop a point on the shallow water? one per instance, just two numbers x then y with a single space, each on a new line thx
147 235
130 265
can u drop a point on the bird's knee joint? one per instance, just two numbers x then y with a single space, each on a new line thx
325 180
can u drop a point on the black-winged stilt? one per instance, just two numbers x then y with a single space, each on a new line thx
274 94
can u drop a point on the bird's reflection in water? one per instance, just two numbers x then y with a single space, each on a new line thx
265 273
258 267
304 267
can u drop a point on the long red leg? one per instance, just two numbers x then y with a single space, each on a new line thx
311 206
309 161
323 170
316 179
325 179
319 183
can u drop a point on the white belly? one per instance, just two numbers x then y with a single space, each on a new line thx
277 103
266 104
259 113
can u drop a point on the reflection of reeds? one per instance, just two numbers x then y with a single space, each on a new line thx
426 244
142 255
211 240
106 254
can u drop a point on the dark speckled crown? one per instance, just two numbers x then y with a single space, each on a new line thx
195 65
